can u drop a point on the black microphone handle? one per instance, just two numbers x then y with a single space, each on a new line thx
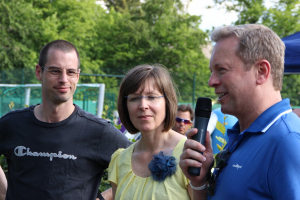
201 124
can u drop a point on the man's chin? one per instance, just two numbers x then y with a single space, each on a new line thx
181 132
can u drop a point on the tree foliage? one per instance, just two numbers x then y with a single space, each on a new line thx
20 34
109 41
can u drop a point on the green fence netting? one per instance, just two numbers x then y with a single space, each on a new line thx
85 97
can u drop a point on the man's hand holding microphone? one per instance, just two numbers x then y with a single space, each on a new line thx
197 155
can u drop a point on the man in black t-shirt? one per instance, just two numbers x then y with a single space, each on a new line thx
55 150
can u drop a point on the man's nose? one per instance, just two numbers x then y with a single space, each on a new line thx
214 80
63 77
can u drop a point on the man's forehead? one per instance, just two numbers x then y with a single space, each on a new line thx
187 114
223 51
56 57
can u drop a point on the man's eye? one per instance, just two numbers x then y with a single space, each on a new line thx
222 70
72 72
55 71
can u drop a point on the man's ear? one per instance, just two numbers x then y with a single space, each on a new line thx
79 70
38 72
263 71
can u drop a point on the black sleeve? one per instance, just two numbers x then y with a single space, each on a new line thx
99 195
111 140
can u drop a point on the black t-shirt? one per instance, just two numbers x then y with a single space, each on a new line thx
63 160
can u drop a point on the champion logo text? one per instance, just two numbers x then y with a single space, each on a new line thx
23 151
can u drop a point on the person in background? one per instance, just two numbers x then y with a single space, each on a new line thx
56 150
148 169
3 185
184 119
297 111
260 160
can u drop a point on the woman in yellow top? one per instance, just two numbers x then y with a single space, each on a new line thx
148 169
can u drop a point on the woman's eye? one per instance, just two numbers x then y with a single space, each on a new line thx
134 99
151 98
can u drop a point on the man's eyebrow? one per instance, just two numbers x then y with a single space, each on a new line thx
53 67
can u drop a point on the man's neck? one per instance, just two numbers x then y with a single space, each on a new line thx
257 108
53 113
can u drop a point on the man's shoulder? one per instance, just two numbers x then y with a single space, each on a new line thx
15 113
92 118
292 122
287 126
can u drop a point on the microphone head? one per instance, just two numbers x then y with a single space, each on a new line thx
203 107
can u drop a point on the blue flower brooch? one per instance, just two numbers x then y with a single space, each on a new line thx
162 166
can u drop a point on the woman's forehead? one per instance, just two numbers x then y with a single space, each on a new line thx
148 86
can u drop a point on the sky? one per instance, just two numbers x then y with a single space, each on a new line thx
210 17
214 17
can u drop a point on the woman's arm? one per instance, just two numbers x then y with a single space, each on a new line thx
106 195
114 189
3 184
190 191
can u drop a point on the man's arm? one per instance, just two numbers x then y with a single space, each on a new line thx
3 184
283 171
206 159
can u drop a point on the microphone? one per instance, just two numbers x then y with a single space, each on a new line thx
202 115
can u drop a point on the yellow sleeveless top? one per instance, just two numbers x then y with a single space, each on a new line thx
132 187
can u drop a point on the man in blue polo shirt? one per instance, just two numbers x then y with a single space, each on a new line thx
261 159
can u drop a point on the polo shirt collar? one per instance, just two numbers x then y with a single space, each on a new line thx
264 121
261 124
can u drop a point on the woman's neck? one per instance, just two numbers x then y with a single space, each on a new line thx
156 142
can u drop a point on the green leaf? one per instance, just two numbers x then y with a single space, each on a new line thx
118 126
11 105
225 123
219 147
220 127
222 140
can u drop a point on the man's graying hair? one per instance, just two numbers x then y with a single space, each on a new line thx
256 42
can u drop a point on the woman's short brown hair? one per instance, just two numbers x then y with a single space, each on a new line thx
135 79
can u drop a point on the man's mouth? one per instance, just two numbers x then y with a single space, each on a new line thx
221 95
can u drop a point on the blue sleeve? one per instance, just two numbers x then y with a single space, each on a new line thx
284 173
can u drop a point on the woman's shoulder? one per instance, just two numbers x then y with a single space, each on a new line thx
178 138
122 152
117 153
179 146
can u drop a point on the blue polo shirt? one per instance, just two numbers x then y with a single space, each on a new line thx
265 159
